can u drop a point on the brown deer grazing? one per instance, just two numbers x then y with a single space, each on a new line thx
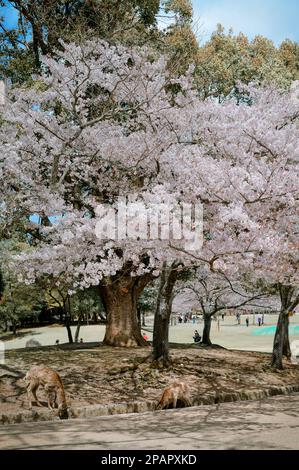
173 393
49 379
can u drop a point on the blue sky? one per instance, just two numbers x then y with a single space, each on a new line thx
275 19
10 15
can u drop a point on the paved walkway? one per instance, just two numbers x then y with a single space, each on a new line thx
267 424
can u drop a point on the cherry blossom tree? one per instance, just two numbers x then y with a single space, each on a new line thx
107 121
255 148
216 293
95 127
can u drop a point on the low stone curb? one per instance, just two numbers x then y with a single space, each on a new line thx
92 411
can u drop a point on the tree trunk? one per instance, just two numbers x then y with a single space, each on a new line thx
14 328
120 299
160 339
206 340
279 341
5 329
67 321
281 345
139 316
78 328
286 351
163 312
69 331
95 318
36 49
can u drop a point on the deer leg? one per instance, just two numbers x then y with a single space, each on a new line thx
34 390
50 405
31 392
187 401
51 397
29 397
51 401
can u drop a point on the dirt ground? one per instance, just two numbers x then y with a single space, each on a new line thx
104 375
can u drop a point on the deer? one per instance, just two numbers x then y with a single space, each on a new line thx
173 393
51 381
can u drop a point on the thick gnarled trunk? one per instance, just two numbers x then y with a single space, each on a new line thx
120 299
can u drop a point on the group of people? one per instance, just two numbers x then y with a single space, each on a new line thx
184 319
187 317
260 319
197 337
